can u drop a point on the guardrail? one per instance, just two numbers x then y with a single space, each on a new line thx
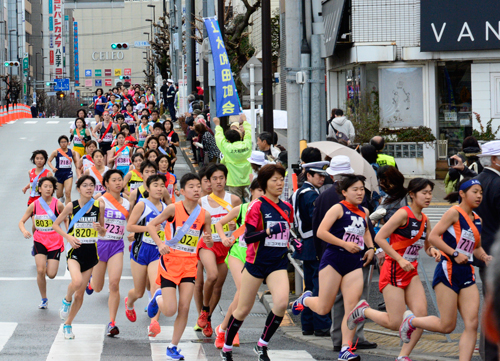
14 112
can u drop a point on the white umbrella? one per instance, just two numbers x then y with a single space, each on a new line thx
358 163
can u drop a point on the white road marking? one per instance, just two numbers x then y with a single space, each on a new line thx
6 331
58 278
167 332
71 122
53 122
190 351
286 355
23 138
87 345
31 122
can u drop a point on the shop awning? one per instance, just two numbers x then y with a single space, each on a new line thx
332 17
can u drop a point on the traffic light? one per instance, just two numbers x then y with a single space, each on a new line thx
60 95
119 46
11 63
50 83
124 77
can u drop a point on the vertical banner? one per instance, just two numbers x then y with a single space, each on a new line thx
77 60
58 39
51 40
227 101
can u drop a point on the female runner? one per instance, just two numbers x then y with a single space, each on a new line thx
458 236
86 222
103 132
149 96
152 143
143 130
80 133
99 101
63 169
267 239
344 228
133 179
120 155
408 231
86 162
130 117
144 254
236 257
151 155
110 247
48 245
172 136
39 159
97 171
165 149
170 179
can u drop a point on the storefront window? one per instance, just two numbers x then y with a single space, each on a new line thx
455 104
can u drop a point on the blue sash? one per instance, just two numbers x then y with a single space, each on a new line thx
185 227
163 151
35 183
47 209
80 213
150 205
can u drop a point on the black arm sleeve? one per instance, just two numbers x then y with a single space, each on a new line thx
252 236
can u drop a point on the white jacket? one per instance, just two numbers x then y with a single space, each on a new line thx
344 125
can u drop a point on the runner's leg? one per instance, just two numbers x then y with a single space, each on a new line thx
468 304
186 290
198 287
329 284
210 264
98 275
67 189
139 276
115 267
417 303
41 271
236 267
76 288
152 274
217 290
351 287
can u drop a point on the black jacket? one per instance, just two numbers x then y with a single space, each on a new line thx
489 209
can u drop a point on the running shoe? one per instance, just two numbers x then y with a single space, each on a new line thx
203 319
406 329
89 288
261 352
131 315
298 304
357 315
219 338
68 332
154 328
153 305
236 341
208 331
45 304
64 310
112 330
348 355
173 354
226 356
197 328
404 358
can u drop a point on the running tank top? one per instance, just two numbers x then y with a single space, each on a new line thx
99 187
142 137
351 227
123 161
240 221
408 232
114 220
33 175
78 138
108 138
147 215
170 184
129 118
87 163
140 193
44 232
188 244
84 228
464 235
216 215
135 181
63 164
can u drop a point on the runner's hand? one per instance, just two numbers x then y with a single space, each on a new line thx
351 247
27 234
461 259
164 249
368 257
131 237
177 193
228 241
54 170
100 229
405 265
436 254
99 140
207 238
74 242
487 259
25 189
232 226
380 258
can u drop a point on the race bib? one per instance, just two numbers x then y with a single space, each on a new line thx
77 141
135 185
411 252
64 163
170 190
122 161
85 232
147 237
99 189
466 244
215 235
355 235
241 241
278 240
108 138
43 223
189 242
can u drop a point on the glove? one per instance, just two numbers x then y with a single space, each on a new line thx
277 228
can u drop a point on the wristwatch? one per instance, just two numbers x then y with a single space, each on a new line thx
455 254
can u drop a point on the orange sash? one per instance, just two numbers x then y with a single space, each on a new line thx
97 174
471 224
64 154
408 242
138 173
115 203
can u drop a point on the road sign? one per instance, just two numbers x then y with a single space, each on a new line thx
50 94
141 44
88 72
61 84
245 72
25 64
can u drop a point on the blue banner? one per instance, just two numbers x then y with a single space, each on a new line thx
227 101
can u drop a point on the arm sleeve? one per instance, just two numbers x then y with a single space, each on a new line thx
248 134
252 235
219 138
468 173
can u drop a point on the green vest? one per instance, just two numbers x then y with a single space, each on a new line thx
384 159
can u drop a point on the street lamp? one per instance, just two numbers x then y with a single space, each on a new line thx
154 14
146 33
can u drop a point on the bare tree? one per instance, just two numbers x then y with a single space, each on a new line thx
160 45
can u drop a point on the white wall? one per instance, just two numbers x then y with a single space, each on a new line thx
481 92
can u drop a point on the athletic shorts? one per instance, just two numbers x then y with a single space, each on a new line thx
237 252
105 147
63 175
218 249
342 261
392 274
144 253
79 150
263 270
107 249
175 268
453 275
39 248
85 255
167 283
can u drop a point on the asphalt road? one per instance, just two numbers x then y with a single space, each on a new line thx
27 333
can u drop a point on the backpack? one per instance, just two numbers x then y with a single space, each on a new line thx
337 135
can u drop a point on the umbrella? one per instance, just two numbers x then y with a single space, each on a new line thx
358 163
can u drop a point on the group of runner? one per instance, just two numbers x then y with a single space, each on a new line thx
190 244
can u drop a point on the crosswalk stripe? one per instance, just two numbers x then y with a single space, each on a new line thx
31 122
87 345
286 355
190 351
6 331
167 332
53 122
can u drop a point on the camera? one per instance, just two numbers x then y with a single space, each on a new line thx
452 162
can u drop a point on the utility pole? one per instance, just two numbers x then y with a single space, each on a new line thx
189 45
193 45
211 13
267 70
206 87
305 63
173 55
221 10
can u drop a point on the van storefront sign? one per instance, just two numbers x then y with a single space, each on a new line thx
107 55
447 25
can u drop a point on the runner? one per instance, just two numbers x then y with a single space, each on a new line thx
110 247
82 114
97 171
345 229
115 113
236 257
172 136
48 245
152 155
177 266
267 234
152 143
142 131
165 149
39 159
118 122
149 96
80 133
63 171
130 117
408 231
86 162
120 155
171 179
458 236
98 103
87 221
144 254
217 204
133 179
105 131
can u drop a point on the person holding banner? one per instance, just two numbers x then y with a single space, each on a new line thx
63 169
177 266
86 222
120 155
110 246
48 245
235 260
97 171
105 131
39 159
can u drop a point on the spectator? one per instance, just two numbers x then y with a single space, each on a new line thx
265 144
341 127
190 120
191 98
491 308
469 156
382 159
169 98
235 153
206 141
308 155
257 160
275 143
199 90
